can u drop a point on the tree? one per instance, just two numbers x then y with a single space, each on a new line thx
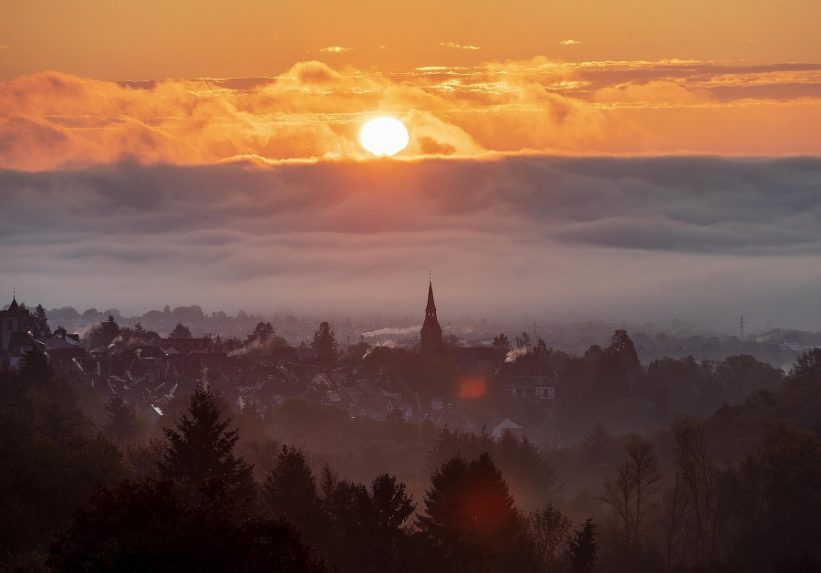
325 343
262 332
263 339
200 453
708 490
366 530
502 342
583 548
523 340
630 494
53 457
470 517
154 526
548 530
391 506
42 319
121 426
780 521
290 492
180 331
740 376
104 334
619 369
807 367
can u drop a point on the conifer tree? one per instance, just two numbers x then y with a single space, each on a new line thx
470 518
583 548
42 319
325 343
200 452
290 492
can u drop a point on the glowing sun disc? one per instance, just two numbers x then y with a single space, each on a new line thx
384 136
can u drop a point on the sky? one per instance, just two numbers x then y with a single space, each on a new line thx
567 159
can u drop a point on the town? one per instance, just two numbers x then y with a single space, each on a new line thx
505 384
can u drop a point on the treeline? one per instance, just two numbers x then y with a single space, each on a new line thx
200 508
190 501
610 385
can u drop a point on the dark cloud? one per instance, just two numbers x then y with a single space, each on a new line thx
626 238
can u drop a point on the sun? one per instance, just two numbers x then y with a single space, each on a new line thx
384 136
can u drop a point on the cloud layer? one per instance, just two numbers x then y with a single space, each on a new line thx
314 111
702 238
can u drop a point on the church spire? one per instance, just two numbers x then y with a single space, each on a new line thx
14 305
431 333
431 308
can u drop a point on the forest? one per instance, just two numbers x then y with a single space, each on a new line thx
217 489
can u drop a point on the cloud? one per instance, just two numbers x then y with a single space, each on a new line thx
312 112
570 43
572 237
335 50
457 46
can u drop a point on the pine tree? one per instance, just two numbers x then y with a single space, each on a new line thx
42 319
290 492
325 343
200 453
391 505
121 425
180 331
470 517
583 548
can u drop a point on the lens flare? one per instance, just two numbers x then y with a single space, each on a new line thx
472 388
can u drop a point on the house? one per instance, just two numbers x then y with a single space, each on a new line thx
506 425
65 352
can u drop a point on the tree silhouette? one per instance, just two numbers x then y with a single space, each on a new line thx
155 527
289 491
391 505
808 367
470 518
548 530
262 332
42 319
201 456
502 342
180 331
105 333
366 531
780 522
583 548
631 493
325 343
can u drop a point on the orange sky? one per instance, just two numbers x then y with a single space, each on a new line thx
157 39
96 81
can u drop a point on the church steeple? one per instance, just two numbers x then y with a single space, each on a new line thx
431 333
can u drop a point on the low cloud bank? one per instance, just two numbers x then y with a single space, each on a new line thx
703 238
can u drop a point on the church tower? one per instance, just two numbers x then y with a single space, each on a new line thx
431 333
